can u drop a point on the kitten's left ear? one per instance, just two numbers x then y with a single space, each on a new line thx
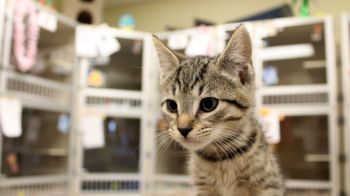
236 57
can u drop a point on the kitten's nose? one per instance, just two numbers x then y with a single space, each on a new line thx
184 124
184 131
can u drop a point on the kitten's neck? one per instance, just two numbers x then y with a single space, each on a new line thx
233 146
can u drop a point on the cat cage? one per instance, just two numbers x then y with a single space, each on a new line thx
345 53
113 98
296 77
35 162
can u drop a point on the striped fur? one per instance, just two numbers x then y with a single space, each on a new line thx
229 154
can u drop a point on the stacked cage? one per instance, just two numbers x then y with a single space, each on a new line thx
296 78
122 164
37 161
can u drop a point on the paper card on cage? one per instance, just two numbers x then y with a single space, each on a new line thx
178 41
11 117
270 122
200 42
47 21
107 44
87 38
93 132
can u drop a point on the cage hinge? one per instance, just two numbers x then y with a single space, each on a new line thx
340 97
341 120
342 158
342 193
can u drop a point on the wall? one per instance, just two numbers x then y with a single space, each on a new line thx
154 15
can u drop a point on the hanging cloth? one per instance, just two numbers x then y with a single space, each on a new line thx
26 34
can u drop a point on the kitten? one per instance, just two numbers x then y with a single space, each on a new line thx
208 103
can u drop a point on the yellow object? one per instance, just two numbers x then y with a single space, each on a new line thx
264 111
96 78
21 193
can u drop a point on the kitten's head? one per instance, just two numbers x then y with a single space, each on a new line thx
204 99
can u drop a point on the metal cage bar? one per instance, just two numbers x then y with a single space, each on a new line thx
345 53
333 113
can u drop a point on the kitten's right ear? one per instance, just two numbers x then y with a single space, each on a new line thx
168 59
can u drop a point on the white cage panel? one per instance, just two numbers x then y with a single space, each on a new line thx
39 91
296 99
114 102
35 186
308 188
307 192
110 184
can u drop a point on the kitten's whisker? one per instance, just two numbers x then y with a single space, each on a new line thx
204 131
232 150
216 144
165 138
223 150
160 156
160 146
246 141
158 134
213 147
243 153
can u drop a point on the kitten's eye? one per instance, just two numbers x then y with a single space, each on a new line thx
171 106
208 104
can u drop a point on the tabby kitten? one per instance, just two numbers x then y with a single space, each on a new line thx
208 103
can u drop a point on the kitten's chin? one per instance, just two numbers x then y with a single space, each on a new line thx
191 144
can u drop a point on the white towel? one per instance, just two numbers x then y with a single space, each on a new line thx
93 132
11 117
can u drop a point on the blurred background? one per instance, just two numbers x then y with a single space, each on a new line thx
79 108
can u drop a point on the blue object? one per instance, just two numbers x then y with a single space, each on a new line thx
112 126
270 75
63 123
127 21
